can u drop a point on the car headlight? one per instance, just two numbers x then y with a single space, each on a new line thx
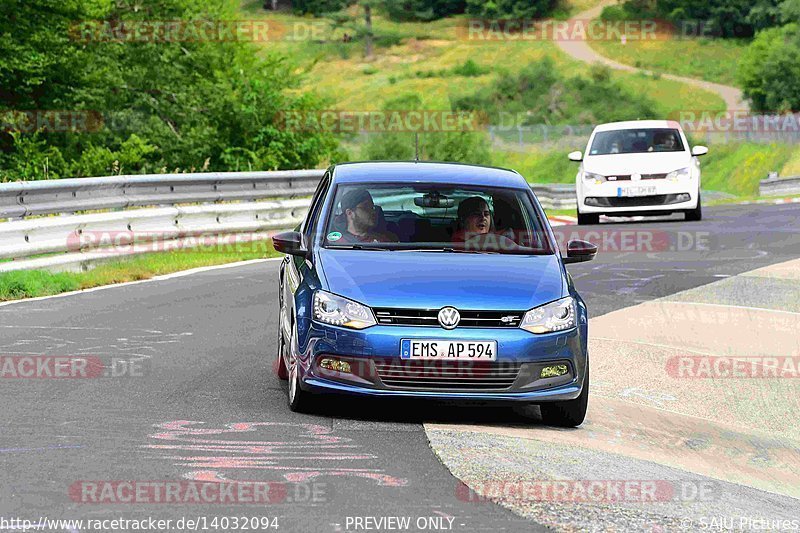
680 173
555 316
338 311
591 176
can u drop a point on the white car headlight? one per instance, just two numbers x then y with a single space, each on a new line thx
555 316
680 173
591 176
338 311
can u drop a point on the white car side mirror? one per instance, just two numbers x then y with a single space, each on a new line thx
699 150
577 156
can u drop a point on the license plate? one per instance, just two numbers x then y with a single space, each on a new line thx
441 349
636 191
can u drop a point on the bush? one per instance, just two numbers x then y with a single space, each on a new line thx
539 94
469 69
769 70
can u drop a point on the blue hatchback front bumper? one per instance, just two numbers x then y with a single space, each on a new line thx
378 370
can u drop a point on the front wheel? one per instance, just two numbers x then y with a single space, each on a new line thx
588 219
300 401
280 360
695 214
568 413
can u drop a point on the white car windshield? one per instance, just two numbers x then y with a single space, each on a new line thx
636 141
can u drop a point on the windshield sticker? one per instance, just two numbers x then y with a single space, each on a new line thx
334 236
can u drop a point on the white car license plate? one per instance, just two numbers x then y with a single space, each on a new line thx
442 349
636 191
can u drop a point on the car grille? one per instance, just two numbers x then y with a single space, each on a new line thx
637 201
429 317
444 375
627 177
632 201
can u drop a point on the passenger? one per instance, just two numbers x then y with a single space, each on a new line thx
476 227
362 219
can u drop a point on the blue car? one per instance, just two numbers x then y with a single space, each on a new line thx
431 280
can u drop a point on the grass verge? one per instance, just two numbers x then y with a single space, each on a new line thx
712 60
19 284
737 168
424 59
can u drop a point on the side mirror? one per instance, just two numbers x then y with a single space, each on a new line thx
290 242
699 150
580 251
575 156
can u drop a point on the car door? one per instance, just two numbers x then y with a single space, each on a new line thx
293 268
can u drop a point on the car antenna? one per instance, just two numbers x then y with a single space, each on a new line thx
416 147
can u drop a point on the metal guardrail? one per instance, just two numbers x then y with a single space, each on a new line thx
21 199
556 195
248 203
776 186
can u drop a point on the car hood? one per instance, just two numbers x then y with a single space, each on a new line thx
430 280
649 163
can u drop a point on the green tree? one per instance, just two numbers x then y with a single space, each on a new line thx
511 8
726 18
425 10
319 7
186 104
769 70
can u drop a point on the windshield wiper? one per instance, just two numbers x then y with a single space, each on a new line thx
448 249
361 247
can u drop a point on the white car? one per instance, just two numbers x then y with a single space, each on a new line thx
640 167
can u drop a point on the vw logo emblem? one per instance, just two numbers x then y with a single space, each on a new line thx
449 317
636 177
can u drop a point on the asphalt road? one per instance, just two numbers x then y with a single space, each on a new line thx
205 405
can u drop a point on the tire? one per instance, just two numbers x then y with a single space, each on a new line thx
588 220
695 214
568 413
280 362
300 401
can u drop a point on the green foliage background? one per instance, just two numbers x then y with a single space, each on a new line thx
211 105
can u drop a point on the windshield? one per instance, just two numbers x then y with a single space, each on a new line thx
636 141
435 218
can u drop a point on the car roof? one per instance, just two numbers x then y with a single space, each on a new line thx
636 124
426 172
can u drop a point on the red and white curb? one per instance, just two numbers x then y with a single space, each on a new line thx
776 201
562 220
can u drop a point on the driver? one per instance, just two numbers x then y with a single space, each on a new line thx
362 219
664 142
